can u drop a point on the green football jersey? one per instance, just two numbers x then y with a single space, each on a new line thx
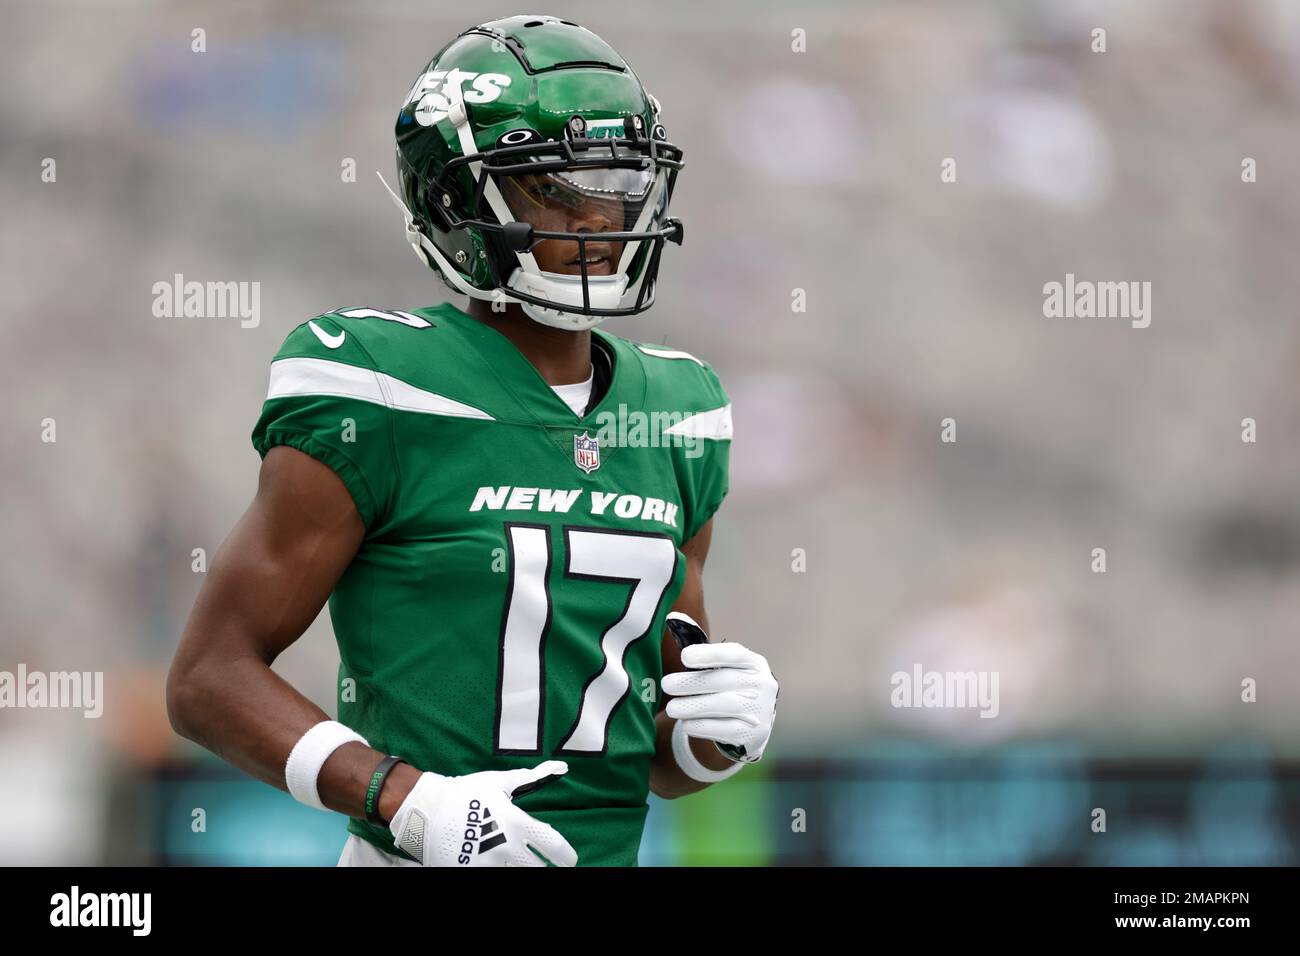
507 604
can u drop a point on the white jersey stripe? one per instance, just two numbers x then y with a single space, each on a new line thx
669 354
714 424
312 376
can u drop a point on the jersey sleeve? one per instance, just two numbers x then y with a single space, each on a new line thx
708 452
327 399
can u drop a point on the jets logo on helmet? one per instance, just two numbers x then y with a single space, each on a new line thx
533 166
605 129
433 105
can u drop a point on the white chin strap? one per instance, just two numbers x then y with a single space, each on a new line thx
604 292
569 321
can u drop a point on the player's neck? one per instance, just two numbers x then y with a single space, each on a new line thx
561 357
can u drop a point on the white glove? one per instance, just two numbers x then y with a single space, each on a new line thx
471 821
728 696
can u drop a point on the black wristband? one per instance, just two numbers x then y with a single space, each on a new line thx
377 780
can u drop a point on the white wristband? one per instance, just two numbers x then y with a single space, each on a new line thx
691 765
309 755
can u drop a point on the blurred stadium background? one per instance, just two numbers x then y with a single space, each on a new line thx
816 171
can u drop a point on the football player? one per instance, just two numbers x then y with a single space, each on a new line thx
502 504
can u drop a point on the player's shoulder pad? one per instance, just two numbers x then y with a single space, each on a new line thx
356 336
690 378
406 360
678 382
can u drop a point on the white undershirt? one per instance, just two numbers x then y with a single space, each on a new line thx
576 395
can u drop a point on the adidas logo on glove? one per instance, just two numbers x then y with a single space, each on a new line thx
445 821
480 830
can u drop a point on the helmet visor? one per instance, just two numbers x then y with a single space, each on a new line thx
588 202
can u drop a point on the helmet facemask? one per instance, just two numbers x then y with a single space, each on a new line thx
574 229
579 257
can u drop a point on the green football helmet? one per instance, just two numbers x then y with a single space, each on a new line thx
533 167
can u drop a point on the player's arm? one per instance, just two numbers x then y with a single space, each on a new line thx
728 696
265 586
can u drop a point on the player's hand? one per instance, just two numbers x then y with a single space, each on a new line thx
727 694
471 821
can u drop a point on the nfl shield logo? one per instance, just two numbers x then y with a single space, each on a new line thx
586 452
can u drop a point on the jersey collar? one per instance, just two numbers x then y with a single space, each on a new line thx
532 394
